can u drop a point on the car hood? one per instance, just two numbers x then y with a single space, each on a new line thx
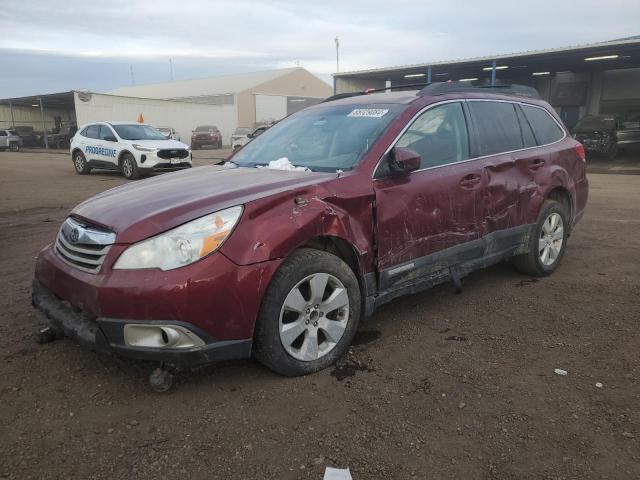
166 144
145 208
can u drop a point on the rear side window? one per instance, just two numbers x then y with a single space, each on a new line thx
544 126
525 127
497 126
92 131
3 133
439 135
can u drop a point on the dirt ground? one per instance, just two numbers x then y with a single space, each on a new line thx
437 385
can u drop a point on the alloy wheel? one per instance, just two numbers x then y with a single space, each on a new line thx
127 168
551 239
314 317
79 163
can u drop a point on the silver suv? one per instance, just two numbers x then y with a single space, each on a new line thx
10 139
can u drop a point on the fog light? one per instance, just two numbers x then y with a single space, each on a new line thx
160 336
143 158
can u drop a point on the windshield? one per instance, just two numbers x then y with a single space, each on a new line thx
595 123
138 132
164 130
205 128
242 131
324 139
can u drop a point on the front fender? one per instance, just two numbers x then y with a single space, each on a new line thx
273 227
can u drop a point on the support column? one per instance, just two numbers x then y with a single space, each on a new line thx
13 121
428 74
387 85
493 73
44 126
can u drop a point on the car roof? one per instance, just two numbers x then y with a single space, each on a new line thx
402 97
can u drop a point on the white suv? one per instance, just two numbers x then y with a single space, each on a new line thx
133 148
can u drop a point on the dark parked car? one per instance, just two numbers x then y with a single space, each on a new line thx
62 139
628 134
29 136
598 134
206 135
323 218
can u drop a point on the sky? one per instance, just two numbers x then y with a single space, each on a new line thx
50 46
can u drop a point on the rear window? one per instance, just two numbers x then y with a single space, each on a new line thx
497 126
206 128
544 126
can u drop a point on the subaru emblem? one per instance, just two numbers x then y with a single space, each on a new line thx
74 235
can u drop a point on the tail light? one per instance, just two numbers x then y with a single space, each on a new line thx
580 152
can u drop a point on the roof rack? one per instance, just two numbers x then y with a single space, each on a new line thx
373 90
443 88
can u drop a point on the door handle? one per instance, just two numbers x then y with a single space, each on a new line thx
536 164
470 181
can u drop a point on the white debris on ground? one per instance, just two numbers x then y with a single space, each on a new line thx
284 164
599 385
337 474
560 371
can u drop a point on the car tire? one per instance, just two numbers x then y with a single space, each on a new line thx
323 337
194 147
129 167
612 150
14 146
219 146
547 242
80 163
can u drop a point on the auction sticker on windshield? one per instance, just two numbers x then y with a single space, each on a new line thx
368 112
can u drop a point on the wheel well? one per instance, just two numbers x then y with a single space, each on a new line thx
561 195
73 152
340 248
121 156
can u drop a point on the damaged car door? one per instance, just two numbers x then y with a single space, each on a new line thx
428 219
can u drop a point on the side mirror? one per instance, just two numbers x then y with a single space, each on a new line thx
404 160
111 138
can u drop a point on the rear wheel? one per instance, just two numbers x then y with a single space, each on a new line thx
612 150
129 167
547 242
309 314
80 164
14 147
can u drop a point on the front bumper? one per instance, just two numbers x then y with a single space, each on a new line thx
214 298
106 335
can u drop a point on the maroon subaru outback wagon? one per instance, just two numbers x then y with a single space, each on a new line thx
311 226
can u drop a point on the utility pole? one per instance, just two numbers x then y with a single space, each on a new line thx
171 69
337 40
133 79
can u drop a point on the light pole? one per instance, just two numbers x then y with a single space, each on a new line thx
337 40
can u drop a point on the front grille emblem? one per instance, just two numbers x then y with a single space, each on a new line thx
74 235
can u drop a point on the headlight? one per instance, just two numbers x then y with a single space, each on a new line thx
142 148
183 245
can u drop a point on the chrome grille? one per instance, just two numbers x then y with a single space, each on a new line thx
82 246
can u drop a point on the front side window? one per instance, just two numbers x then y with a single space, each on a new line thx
497 126
439 135
325 138
545 128
3 133
136 131
105 132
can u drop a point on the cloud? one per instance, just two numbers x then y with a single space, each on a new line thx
206 38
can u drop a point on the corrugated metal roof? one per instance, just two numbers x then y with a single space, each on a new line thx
575 48
224 84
